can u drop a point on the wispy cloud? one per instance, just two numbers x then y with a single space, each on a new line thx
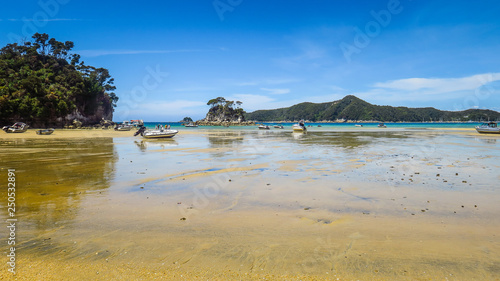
98 53
165 110
42 20
309 57
195 89
440 85
267 81
431 90
276 91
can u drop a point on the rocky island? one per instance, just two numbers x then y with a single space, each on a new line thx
224 112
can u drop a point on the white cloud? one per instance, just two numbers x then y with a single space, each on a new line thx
161 110
440 85
252 102
268 81
43 20
430 89
98 53
276 91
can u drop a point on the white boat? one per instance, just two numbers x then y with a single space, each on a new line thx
299 127
45 131
125 126
263 127
137 123
157 133
381 125
18 127
358 125
279 126
488 128
190 125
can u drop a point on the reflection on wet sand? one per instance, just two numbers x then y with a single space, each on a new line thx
389 205
53 178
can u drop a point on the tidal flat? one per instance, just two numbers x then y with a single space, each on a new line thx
220 204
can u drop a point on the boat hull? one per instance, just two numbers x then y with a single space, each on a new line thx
128 128
488 130
159 134
297 128
45 132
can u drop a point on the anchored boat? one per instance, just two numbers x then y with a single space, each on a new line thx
18 127
125 126
299 127
488 128
158 133
45 131
263 127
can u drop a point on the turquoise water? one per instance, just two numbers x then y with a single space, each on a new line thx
330 126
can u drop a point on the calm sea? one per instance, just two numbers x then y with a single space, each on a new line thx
332 126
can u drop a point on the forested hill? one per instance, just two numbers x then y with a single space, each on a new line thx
353 108
43 84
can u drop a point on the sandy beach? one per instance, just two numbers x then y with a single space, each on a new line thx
247 204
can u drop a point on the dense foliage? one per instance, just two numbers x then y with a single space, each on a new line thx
224 110
41 83
353 108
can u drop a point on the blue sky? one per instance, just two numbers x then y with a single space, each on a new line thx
169 58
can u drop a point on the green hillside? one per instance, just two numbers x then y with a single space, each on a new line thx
353 108
43 84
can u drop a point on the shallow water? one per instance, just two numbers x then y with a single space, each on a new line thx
397 204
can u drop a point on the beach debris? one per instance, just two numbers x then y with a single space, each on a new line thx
307 208
182 219
142 187
438 175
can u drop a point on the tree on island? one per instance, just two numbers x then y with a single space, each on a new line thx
224 110
187 119
42 83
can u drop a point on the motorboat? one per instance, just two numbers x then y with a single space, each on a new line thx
125 126
488 128
45 131
190 125
358 125
157 133
263 127
279 126
299 127
381 125
18 127
137 123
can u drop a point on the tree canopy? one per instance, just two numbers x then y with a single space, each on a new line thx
42 82
224 110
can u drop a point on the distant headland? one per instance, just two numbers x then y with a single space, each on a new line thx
353 109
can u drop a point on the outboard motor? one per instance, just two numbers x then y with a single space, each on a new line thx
301 123
140 131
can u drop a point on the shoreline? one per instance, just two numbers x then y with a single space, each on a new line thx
110 133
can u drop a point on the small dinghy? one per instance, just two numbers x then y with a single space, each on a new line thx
299 127
18 127
158 133
45 131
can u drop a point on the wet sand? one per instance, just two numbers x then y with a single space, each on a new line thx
216 204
